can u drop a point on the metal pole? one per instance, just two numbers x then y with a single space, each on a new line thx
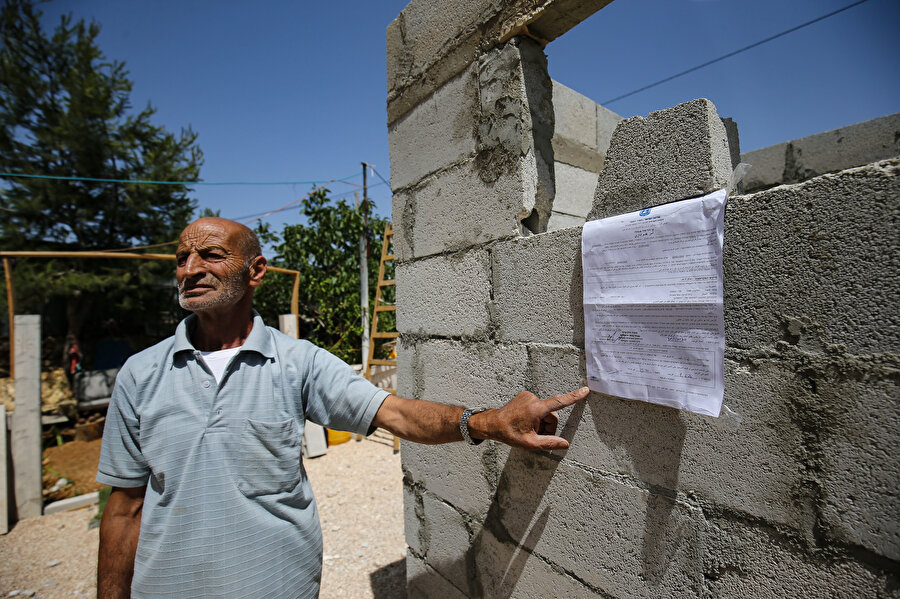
11 305
363 286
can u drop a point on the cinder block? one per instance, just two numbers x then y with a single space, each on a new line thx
408 368
456 209
831 151
575 114
422 582
755 468
614 537
445 295
806 269
574 190
507 570
473 374
413 514
560 220
607 121
858 425
744 561
673 154
538 288
459 473
515 127
436 133
448 540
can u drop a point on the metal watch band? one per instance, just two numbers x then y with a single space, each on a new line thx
464 425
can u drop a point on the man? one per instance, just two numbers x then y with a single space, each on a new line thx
202 441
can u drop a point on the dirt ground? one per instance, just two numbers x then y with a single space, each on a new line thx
358 486
76 461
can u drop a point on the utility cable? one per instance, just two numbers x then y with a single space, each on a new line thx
734 53
187 183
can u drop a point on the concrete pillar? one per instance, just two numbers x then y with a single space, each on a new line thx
26 432
314 443
4 481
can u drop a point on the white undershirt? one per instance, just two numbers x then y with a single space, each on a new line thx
218 360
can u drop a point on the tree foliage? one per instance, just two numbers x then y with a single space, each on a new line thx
326 252
65 111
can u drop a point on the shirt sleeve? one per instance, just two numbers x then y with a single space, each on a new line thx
338 398
121 462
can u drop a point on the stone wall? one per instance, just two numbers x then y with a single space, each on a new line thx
795 495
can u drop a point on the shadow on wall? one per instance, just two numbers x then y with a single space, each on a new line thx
389 582
519 512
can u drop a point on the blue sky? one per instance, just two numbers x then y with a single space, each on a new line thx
295 91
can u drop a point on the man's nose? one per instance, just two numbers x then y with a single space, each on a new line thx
193 265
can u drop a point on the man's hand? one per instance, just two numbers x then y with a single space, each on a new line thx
527 421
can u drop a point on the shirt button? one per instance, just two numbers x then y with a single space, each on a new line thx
205 384
219 412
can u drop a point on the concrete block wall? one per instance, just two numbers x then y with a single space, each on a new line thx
795 497
580 141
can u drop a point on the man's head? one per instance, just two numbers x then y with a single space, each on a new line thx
219 264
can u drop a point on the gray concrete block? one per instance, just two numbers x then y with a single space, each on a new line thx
422 582
448 540
414 531
515 125
575 154
436 133
560 220
734 140
673 154
408 384
574 190
858 423
445 295
72 503
804 270
538 288
462 475
473 374
744 561
26 433
456 209
507 570
756 468
607 121
831 151
576 116
613 536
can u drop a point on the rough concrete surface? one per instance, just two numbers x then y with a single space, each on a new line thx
436 133
574 190
454 209
807 157
673 154
804 267
445 295
538 288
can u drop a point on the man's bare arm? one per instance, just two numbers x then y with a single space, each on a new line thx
119 531
526 421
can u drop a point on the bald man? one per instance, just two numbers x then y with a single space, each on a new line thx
202 438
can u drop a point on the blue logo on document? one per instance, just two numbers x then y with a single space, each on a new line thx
644 212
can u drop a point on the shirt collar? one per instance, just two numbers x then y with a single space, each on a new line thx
258 340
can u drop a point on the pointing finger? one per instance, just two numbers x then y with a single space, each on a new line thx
562 401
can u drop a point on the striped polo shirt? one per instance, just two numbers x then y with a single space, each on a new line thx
229 511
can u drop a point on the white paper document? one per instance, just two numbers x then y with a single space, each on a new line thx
653 318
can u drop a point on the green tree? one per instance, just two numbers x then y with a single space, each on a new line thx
65 111
326 252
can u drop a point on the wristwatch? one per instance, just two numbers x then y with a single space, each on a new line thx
464 425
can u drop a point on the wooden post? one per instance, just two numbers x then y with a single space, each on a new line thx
11 305
295 295
26 433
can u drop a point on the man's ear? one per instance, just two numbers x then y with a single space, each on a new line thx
258 268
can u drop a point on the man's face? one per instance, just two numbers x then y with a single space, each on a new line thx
212 271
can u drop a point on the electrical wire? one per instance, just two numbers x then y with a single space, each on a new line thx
734 53
188 183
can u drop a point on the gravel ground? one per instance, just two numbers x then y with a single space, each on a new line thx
359 490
